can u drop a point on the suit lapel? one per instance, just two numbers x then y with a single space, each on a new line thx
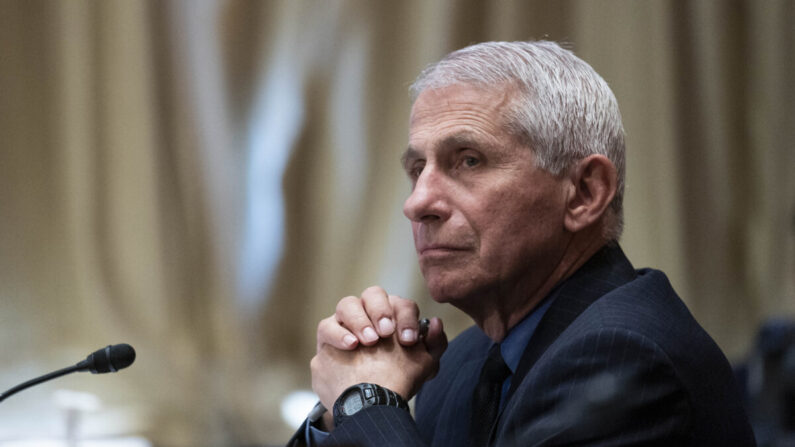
454 415
606 270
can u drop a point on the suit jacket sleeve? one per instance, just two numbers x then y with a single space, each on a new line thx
379 426
371 427
299 438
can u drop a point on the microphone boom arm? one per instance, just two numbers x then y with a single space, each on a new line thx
38 380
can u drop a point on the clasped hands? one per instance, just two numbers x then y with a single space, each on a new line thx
374 338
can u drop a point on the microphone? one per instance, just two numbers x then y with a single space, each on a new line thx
108 359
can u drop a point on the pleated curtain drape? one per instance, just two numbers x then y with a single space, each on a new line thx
206 179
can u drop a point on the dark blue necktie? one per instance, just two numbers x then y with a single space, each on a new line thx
486 399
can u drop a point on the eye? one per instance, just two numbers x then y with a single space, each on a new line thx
415 171
469 161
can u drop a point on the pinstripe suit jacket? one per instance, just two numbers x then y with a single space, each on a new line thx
616 360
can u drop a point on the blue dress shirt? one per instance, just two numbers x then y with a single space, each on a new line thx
515 343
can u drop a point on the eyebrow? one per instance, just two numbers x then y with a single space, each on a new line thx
408 156
462 139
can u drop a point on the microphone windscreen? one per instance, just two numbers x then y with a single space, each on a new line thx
121 356
111 358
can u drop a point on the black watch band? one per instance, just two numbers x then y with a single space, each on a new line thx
364 395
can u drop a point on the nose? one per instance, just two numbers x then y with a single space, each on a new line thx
428 200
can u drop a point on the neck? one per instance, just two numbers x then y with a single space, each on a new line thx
509 305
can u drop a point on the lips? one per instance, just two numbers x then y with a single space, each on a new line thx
438 249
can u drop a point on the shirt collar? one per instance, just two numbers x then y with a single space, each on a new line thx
516 341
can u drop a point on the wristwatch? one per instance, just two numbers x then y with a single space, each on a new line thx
365 395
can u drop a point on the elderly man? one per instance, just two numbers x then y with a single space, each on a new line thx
516 159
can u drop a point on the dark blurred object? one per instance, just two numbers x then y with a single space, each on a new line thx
768 379
111 358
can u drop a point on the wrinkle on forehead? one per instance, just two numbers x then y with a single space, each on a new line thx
462 97
461 115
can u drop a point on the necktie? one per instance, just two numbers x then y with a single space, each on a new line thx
486 399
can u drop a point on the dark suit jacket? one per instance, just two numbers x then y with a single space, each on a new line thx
616 360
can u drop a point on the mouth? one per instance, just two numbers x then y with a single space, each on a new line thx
439 250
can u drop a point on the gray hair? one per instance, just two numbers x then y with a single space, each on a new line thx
564 110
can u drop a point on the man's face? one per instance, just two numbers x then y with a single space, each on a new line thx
486 221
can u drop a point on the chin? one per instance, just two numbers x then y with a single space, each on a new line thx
449 289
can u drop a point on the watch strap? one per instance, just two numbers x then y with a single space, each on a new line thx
371 395
316 413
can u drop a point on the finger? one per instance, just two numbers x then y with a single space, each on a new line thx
351 315
330 332
436 340
406 315
320 384
379 310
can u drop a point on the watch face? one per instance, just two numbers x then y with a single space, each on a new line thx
352 403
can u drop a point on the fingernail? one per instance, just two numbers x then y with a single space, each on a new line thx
408 335
349 340
386 326
369 334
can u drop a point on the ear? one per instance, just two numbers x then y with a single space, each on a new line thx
594 182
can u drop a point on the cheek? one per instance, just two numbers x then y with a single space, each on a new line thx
512 213
530 223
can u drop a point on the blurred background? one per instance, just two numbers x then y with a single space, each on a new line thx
205 179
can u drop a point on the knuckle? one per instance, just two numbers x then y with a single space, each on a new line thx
413 307
360 324
344 303
409 313
374 290
376 306
323 324
355 322
406 304
397 300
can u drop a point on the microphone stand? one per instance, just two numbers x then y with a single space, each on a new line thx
38 380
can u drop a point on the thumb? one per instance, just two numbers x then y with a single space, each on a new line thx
436 340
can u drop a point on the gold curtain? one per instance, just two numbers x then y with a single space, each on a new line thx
205 179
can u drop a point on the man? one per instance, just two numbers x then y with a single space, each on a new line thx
516 158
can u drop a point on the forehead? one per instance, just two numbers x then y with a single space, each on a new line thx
458 110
